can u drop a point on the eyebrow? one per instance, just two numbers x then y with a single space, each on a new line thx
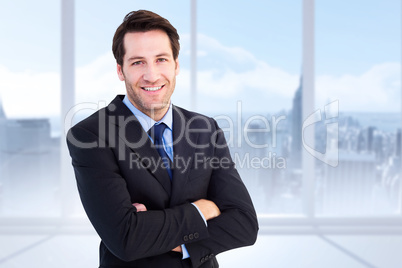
135 58
163 55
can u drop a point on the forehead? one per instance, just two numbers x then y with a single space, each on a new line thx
147 44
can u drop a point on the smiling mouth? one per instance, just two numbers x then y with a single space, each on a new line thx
152 88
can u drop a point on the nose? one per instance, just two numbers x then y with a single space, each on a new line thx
151 73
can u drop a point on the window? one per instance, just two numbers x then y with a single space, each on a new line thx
251 76
249 69
358 73
30 109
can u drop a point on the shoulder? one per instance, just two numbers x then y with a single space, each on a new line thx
85 134
95 124
92 122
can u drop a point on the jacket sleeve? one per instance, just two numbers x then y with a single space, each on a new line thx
128 234
237 225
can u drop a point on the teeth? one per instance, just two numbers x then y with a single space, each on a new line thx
152 88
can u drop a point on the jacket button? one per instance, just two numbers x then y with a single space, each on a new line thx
202 260
196 235
191 236
185 238
211 256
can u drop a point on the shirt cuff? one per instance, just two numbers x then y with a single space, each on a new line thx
184 252
202 216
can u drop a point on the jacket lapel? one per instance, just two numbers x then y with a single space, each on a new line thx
132 135
183 154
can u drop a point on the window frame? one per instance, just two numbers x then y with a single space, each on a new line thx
309 223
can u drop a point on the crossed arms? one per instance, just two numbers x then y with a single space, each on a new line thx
208 209
133 232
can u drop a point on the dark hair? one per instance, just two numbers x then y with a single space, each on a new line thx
143 21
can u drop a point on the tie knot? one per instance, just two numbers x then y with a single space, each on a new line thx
156 132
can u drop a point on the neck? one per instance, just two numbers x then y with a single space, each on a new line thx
156 115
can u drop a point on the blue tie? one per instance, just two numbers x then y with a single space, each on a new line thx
156 133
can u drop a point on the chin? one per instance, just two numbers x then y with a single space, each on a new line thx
156 107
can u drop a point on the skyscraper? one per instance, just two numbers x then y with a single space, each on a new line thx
297 128
398 143
2 113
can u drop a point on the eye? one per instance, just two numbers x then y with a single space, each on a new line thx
162 60
137 63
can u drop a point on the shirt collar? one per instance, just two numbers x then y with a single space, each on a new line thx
146 121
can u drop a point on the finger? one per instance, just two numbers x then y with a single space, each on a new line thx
177 249
140 207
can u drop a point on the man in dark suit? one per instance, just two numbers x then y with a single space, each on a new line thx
157 181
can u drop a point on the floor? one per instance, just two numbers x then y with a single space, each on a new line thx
276 251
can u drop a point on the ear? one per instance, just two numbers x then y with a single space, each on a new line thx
120 72
177 67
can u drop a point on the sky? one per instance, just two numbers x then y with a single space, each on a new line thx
248 52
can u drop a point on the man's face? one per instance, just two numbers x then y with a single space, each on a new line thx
149 71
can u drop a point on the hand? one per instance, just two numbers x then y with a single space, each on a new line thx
177 249
140 207
207 208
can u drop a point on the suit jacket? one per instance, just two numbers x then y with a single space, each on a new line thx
116 165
